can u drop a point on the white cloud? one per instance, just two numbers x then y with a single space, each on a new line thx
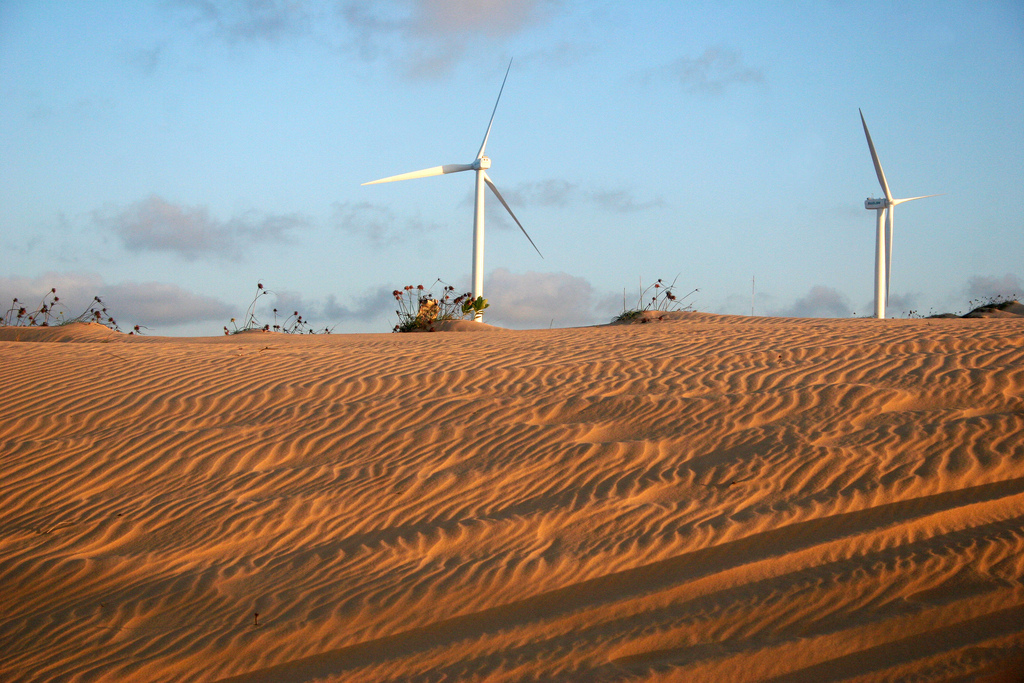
740 304
538 300
162 304
494 18
250 20
431 36
374 304
147 60
820 302
375 222
622 201
552 192
561 193
981 287
712 71
155 224
899 304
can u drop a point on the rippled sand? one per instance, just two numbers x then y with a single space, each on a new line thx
708 498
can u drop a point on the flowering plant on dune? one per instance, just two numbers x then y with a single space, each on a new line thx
662 299
418 308
52 311
293 324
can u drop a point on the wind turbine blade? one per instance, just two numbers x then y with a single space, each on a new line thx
483 146
874 157
889 235
910 199
888 249
501 199
425 173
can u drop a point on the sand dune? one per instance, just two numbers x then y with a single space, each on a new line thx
703 498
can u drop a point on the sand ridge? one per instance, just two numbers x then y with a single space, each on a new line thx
706 498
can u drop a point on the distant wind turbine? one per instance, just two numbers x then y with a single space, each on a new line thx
480 165
883 236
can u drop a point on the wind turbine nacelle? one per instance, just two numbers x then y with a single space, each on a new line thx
872 203
481 164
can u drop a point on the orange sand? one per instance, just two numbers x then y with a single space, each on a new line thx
707 498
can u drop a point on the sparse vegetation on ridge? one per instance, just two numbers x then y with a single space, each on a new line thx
663 299
292 324
977 308
51 311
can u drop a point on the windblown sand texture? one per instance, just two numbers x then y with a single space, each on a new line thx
707 498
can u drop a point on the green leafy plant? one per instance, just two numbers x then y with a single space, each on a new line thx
472 306
655 297
419 309
293 324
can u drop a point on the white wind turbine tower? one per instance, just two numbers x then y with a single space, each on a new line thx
883 236
480 165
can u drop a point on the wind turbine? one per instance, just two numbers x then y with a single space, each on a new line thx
480 165
883 236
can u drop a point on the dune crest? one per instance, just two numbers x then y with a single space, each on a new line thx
708 498
459 326
87 332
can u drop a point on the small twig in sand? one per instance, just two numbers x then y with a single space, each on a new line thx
117 356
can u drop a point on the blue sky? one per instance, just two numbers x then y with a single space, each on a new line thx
169 155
